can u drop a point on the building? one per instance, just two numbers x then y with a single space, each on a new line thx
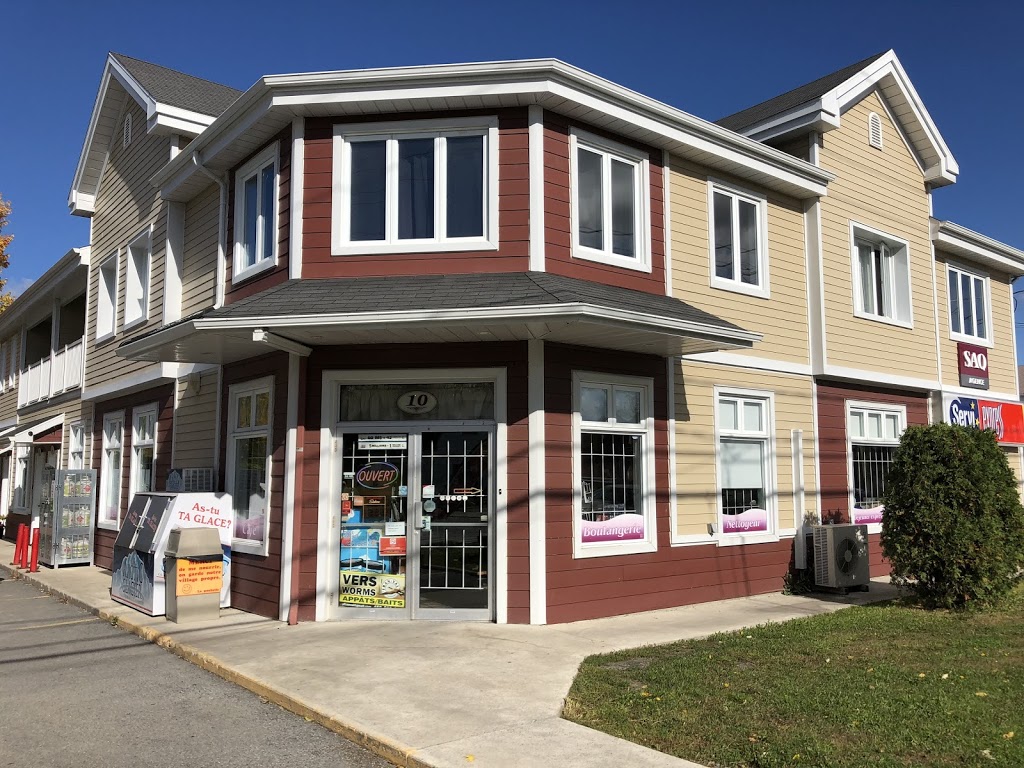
510 342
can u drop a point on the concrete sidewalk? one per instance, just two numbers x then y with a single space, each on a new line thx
433 693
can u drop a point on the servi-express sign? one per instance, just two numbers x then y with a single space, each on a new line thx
1005 419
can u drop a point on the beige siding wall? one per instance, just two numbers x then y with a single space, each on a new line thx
1001 368
195 422
199 269
782 318
883 189
125 205
696 465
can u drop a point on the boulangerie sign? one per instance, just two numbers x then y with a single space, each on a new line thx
972 361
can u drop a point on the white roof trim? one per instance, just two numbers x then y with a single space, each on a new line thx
160 118
45 284
367 320
25 436
885 72
974 246
529 79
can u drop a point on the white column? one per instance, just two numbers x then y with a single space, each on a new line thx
537 464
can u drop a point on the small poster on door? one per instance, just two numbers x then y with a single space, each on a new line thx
374 590
392 545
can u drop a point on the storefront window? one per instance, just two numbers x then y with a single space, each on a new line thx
874 436
110 471
614 467
744 466
249 433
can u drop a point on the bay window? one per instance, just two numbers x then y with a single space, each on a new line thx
415 186
250 418
614 468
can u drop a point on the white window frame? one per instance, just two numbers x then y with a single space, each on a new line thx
767 437
342 245
982 341
901 278
150 410
256 165
645 429
136 289
612 150
106 304
106 474
5 361
865 407
763 287
235 391
12 362
21 481
76 446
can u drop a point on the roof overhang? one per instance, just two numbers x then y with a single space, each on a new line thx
887 75
117 84
228 340
978 248
26 433
272 103
65 279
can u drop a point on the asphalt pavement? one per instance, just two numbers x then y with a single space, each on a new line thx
77 691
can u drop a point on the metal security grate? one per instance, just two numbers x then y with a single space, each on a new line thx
736 501
610 465
870 466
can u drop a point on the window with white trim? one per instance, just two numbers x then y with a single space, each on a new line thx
76 447
610 192
881 277
143 460
111 463
746 477
738 240
874 432
968 305
256 215
613 438
415 186
12 362
4 362
136 290
250 420
106 300
22 465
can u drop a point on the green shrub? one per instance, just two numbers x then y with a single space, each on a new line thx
953 527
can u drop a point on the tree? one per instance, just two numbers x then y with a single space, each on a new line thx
5 240
953 526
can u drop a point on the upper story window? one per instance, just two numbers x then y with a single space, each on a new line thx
610 193
106 300
256 215
415 186
136 290
881 277
969 306
738 240
613 438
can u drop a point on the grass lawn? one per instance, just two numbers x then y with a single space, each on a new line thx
883 685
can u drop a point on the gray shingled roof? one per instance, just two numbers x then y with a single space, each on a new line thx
340 296
740 121
177 89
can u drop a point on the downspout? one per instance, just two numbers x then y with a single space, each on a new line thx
222 227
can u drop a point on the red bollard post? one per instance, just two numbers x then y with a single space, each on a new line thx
24 549
35 551
19 544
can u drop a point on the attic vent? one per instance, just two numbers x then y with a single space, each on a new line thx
126 137
875 130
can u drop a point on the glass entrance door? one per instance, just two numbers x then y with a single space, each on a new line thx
415 512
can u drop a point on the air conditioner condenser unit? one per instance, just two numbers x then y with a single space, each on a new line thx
841 556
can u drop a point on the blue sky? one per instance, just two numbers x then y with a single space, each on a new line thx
708 58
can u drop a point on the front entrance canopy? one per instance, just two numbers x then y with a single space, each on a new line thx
436 309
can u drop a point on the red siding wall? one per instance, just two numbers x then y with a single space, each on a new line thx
834 462
557 216
513 209
279 273
671 576
255 579
164 398
512 356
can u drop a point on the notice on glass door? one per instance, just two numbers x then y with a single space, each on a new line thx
375 590
382 442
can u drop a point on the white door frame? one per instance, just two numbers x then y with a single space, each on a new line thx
328 524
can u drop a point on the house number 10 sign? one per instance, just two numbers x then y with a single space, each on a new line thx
417 402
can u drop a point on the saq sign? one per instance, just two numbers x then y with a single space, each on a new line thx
1005 419
972 361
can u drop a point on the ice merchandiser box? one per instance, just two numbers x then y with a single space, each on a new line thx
138 578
